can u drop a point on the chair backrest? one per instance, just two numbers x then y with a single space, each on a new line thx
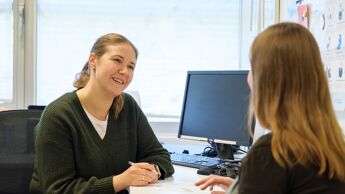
17 153
36 107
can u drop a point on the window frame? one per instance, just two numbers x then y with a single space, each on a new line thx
24 53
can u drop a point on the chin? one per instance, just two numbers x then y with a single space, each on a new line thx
115 93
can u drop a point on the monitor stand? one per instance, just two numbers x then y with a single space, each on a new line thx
224 151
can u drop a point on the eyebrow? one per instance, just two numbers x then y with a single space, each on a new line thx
117 56
123 58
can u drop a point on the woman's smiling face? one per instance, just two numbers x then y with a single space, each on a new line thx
114 70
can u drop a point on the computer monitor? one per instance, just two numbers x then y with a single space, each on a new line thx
215 109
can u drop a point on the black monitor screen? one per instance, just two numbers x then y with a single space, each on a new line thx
215 107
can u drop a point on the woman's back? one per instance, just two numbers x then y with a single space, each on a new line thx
305 151
260 173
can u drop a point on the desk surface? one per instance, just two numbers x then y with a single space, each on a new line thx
182 182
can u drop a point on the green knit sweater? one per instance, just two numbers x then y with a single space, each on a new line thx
72 158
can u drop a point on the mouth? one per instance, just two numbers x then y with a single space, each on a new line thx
117 80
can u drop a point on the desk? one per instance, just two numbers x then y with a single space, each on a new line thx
182 182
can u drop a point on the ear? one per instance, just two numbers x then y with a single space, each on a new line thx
250 80
92 61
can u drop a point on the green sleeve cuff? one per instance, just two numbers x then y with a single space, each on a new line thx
104 185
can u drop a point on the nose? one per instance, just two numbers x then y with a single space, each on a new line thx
123 69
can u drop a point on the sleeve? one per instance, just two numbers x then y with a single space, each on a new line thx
233 189
260 174
149 148
55 159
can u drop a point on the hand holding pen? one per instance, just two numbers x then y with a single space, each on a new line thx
138 174
155 169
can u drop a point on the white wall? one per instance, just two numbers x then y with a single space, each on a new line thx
315 5
341 119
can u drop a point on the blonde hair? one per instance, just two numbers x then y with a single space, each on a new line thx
292 99
99 48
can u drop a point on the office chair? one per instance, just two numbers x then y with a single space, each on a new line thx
17 150
36 107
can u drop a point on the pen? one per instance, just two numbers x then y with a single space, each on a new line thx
155 171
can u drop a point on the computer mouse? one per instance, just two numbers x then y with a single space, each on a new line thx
185 152
205 171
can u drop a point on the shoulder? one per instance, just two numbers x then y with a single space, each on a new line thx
129 99
61 111
55 118
262 145
64 103
130 105
132 111
263 141
260 163
260 160
260 151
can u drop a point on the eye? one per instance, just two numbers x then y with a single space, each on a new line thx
117 60
132 67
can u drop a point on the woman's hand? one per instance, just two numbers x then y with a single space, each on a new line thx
138 174
214 180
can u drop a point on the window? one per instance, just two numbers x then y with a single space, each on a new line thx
41 55
256 16
172 37
6 50
269 12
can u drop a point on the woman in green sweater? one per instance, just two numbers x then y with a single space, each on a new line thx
86 139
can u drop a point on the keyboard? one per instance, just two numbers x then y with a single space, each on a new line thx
194 161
